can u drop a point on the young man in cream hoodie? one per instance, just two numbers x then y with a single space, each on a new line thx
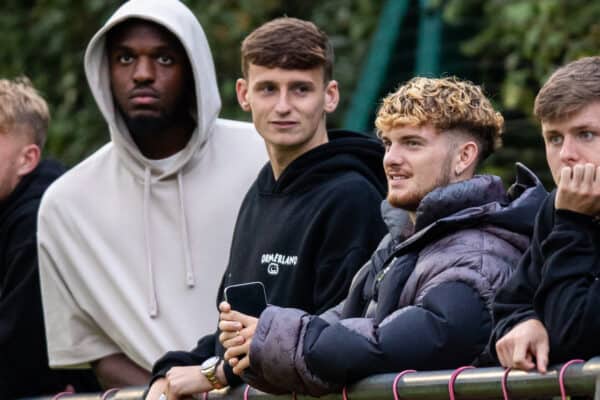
134 239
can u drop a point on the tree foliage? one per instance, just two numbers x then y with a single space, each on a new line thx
515 44
46 40
518 44
529 39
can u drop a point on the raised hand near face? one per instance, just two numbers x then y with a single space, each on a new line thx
579 189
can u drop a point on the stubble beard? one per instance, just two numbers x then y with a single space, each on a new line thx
410 201
145 126
142 126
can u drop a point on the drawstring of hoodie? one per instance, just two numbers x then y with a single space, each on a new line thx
190 278
152 302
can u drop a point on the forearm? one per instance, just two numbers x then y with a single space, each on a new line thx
510 320
513 302
205 348
117 370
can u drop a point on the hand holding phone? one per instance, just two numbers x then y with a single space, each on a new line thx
247 298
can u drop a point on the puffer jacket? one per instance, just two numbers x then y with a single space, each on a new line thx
423 301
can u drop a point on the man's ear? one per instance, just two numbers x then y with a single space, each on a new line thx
241 89
28 159
466 160
332 96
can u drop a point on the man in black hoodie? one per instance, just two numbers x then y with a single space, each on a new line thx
548 310
24 367
311 218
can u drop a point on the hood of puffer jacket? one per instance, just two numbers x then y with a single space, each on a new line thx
178 19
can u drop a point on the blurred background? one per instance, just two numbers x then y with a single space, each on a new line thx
508 46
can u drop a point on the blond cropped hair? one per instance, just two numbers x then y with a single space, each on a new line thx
448 104
21 105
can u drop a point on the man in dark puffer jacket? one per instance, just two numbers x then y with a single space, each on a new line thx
24 367
424 299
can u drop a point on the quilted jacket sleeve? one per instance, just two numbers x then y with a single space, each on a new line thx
293 351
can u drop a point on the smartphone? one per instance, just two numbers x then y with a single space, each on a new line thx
248 298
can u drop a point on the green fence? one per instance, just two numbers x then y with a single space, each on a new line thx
478 383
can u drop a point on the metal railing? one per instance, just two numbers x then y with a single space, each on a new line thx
477 383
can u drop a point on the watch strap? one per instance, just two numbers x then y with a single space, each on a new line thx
211 376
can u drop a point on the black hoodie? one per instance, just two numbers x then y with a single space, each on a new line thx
558 283
305 234
24 367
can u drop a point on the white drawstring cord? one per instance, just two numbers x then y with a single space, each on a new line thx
152 302
189 269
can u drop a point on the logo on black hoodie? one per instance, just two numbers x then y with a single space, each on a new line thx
275 260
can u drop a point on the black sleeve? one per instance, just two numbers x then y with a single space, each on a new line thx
568 298
22 332
22 337
205 348
513 302
450 329
21 321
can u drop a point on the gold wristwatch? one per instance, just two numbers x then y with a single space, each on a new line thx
209 370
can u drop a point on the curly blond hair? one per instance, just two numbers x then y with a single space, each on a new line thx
446 104
21 104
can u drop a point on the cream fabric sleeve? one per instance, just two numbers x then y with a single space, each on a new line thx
74 338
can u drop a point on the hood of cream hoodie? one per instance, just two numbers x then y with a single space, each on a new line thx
176 18
131 256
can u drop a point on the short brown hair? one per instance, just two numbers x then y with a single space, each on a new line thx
446 104
21 104
288 43
569 89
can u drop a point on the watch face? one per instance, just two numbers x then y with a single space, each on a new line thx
210 362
